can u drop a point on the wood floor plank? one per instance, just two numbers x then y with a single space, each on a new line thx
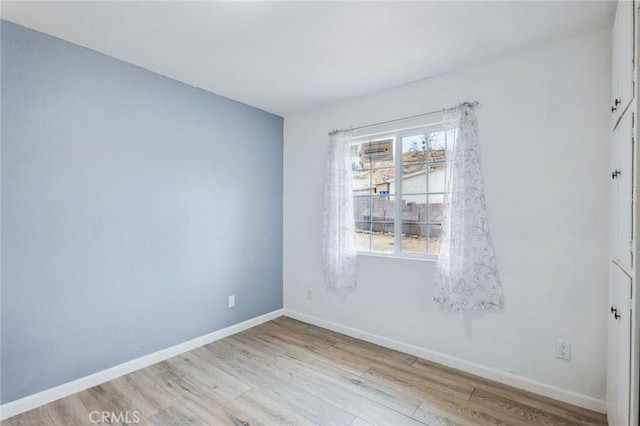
144 406
359 422
568 412
91 404
255 354
143 393
436 411
428 376
30 418
197 398
354 402
364 408
291 345
432 419
68 411
273 384
178 414
519 412
378 356
292 373
269 411
109 401
303 378
305 340
156 368
422 387
100 401
390 398
307 335
220 382
248 338
361 344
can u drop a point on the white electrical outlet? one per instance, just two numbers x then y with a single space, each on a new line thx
232 301
309 294
563 349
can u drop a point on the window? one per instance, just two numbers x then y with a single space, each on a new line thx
398 190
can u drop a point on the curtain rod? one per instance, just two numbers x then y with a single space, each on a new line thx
471 104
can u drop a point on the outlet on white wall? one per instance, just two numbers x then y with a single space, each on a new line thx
563 349
232 300
309 294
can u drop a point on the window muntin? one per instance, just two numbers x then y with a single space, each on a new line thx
401 217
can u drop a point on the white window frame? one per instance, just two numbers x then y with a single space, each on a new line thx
397 136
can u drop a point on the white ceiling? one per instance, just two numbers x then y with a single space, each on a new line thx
286 57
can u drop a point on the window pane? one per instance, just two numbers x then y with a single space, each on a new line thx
375 221
434 238
414 149
450 136
372 154
409 170
382 238
414 208
414 238
360 181
363 236
361 186
436 177
383 226
414 179
383 208
356 163
362 208
435 209
383 182
436 141
436 189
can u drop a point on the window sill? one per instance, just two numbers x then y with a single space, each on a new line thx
427 257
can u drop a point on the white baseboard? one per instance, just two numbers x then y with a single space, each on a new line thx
490 373
30 402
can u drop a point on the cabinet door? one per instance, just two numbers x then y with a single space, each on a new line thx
619 351
623 50
622 191
619 348
612 349
615 61
613 195
623 393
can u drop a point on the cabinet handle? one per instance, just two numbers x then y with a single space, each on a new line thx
615 313
615 173
614 108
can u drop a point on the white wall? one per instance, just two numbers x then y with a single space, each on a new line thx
544 136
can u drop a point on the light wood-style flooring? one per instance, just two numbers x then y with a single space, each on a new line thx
286 372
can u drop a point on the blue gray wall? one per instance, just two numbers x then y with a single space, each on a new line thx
132 207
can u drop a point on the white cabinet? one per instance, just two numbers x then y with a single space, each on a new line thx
622 192
623 60
619 348
622 372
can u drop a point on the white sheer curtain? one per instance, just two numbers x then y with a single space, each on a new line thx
339 241
467 273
